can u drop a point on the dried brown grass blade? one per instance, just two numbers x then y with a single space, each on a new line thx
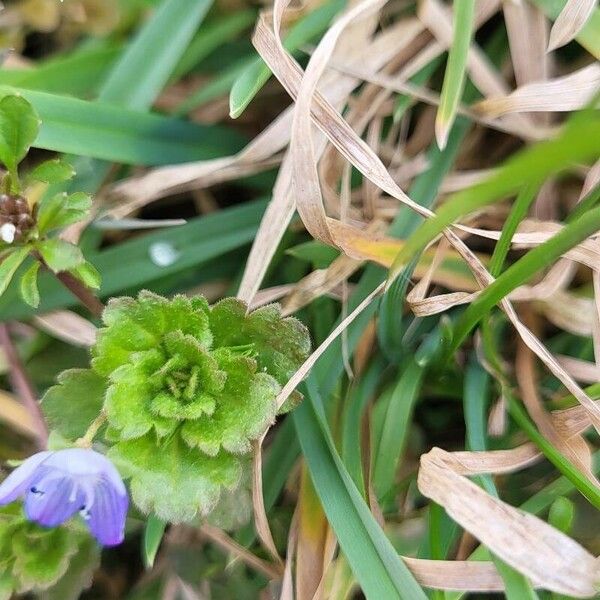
527 36
260 514
287 585
230 545
16 416
546 556
592 179
574 448
570 22
313 531
570 312
570 92
397 83
299 375
319 282
282 207
531 233
261 522
456 575
581 370
361 156
436 17
68 327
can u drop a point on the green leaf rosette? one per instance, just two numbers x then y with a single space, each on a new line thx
186 388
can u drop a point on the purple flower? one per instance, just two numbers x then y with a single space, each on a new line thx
56 485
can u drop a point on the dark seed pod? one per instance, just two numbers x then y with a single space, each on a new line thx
8 205
15 210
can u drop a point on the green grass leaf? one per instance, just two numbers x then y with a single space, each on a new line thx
147 63
389 443
562 514
359 396
78 73
108 132
578 142
154 531
374 561
517 213
254 77
454 77
213 35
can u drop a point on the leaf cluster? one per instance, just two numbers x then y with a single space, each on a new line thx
19 125
32 558
186 388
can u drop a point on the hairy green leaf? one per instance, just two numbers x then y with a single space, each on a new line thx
172 480
76 400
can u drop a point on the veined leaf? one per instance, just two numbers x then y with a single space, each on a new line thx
28 285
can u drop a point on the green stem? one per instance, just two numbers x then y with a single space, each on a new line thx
573 474
521 271
90 434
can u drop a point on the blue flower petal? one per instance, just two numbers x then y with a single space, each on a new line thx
19 481
52 499
106 516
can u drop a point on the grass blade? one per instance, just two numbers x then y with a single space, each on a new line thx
454 77
389 445
588 36
254 77
377 566
153 535
101 130
579 142
523 269
148 62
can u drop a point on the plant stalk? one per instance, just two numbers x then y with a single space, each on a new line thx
23 386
